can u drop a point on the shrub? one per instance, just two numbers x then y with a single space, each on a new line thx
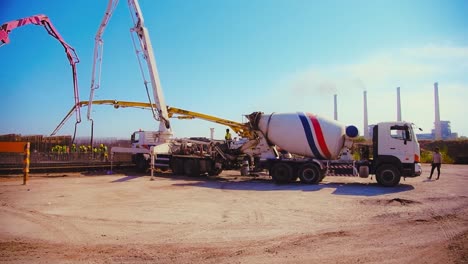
426 156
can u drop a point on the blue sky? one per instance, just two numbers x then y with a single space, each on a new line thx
230 58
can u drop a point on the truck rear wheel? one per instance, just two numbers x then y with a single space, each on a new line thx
388 176
309 173
177 166
282 172
192 168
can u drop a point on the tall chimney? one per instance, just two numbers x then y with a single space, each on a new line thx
212 133
366 125
437 130
336 107
398 105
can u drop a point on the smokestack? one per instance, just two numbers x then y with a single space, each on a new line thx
212 133
398 104
437 130
366 125
336 107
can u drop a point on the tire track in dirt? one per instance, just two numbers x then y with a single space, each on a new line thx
447 219
445 223
58 228
458 248
444 217
293 241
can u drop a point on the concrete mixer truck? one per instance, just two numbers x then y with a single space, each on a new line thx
301 145
312 146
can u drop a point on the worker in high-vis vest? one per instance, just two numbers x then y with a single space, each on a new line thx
228 137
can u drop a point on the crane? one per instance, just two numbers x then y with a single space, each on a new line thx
143 50
43 20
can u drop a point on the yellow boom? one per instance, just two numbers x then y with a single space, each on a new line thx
239 128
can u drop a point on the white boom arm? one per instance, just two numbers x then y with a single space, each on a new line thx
145 50
145 44
98 49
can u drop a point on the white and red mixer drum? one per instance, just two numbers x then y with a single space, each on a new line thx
305 134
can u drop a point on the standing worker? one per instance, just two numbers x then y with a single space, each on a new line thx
436 162
103 152
228 137
106 154
95 151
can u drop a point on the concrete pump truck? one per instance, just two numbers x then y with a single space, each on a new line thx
171 152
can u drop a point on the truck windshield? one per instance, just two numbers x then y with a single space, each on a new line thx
135 137
401 132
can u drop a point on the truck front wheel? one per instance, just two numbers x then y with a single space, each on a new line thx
388 176
309 173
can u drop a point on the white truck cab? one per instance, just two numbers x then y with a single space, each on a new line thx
396 152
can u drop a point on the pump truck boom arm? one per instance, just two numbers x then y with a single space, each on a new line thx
173 112
97 58
147 49
43 20
239 128
143 49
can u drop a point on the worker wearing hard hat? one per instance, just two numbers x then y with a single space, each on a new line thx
103 152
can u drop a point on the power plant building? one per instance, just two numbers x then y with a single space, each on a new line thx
441 130
445 131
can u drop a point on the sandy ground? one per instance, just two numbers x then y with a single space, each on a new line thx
76 218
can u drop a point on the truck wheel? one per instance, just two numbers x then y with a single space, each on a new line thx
177 166
294 177
388 175
322 175
309 173
215 171
142 164
192 168
282 172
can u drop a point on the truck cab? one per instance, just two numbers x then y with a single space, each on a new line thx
142 143
144 139
396 152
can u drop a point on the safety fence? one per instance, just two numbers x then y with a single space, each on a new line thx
47 157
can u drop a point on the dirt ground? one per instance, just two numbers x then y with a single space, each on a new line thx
124 218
